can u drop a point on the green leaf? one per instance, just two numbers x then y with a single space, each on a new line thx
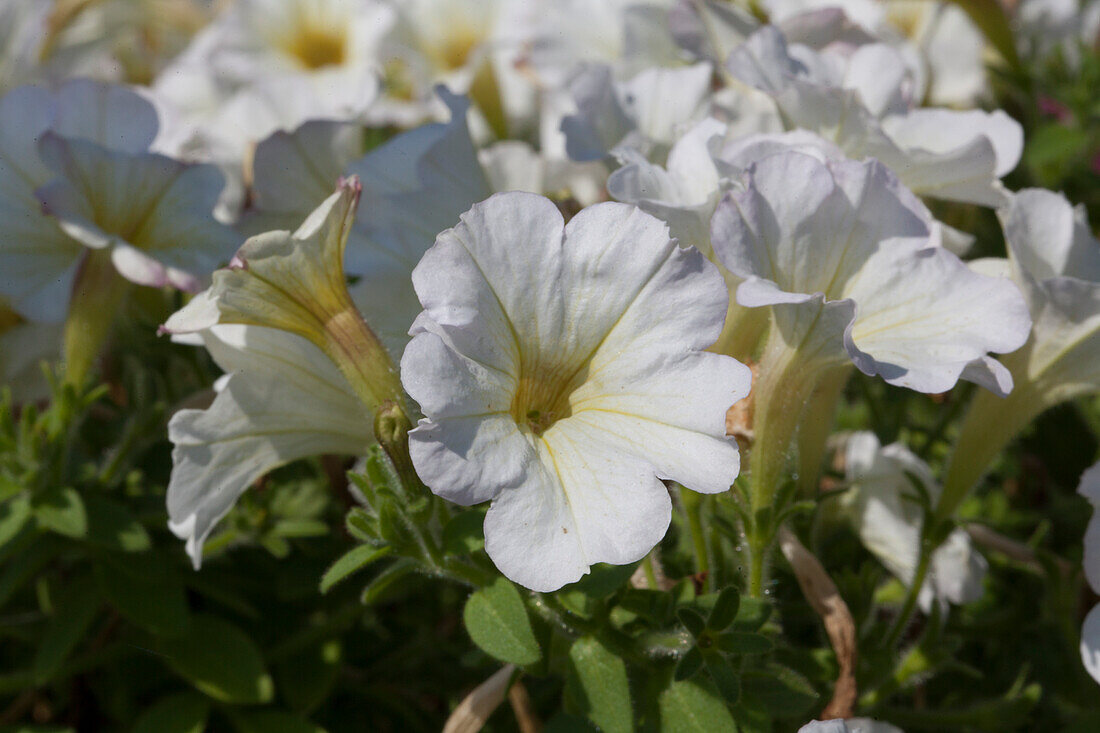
692 621
111 525
690 707
13 517
62 511
76 611
725 610
362 525
753 613
381 583
689 664
351 562
725 678
148 592
273 721
781 691
597 686
306 679
182 713
497 622
744 642
603 580
653 605
221 660
465 533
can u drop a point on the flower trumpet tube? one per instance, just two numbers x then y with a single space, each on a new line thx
1055 261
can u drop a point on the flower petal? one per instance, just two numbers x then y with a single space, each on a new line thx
283 400
582 503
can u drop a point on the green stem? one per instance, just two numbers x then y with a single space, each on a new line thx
97 293
906 612
693 509
650 573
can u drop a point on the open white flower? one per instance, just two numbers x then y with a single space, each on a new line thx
846 242
76 177
1055 260
560 371
864 103
890 526
847 262
1090 631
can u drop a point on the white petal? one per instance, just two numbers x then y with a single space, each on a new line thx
1090 489
1090 643
924 316
1047 237
581 503
112 116
284 400
946 130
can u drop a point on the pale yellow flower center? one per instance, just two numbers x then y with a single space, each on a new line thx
453 50
9 319
317 46
541 399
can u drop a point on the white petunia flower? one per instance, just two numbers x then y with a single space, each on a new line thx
1090 631
23 347
304 372
1055 260
845 258
863 102
76 177
560 371
890 525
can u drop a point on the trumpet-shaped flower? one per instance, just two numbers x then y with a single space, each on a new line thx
890 526
850 267
76 176
863 102
1055 261
1090 631
560 372
304 373
846 256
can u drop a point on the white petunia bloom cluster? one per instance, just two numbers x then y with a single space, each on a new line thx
583 262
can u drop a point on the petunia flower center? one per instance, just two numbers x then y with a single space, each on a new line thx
540 401
316 46
9 319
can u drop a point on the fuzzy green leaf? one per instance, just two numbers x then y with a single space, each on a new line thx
497 622
690 707
220 660
353 561
598 687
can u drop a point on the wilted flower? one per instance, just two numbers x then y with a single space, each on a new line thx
560 373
